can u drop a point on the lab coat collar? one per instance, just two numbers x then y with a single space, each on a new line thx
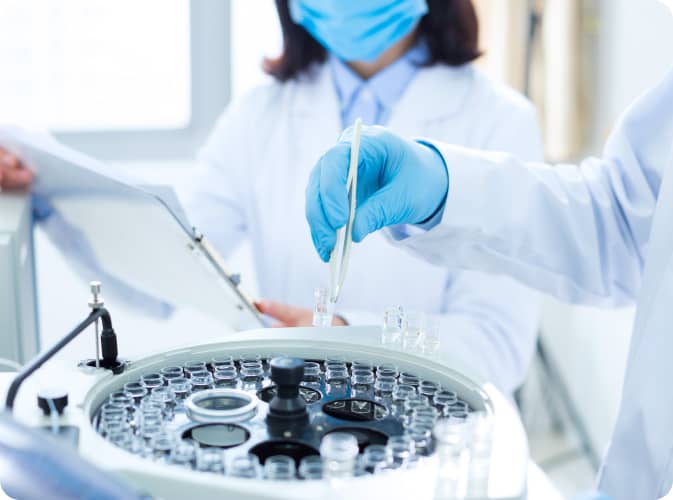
420 103
423 103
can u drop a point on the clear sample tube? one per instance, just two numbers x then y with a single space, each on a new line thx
387 370
249 357
322 308
246 466
121 398
481 444
135 390
362 365
444 398
457 414
311 372
384 386
252 373
407 378
421 435
201 372
194 366
403 392
374 456
223 361
279 468
225 377
122 439
391 331
182 387
252 365
162 442
112 419
171 369
428 389
152 380
202 382
401 448
452 437
336 375
430 341
310 467
362 377
165 397
339 451
151 419
183 453
210 460
458 406
412 335
172 375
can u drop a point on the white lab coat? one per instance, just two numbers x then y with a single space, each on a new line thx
600 233
251 184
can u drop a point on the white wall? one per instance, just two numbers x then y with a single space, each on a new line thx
635 50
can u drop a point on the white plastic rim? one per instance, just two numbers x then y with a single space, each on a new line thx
205 415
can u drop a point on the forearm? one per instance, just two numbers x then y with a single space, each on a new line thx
576 232
558 230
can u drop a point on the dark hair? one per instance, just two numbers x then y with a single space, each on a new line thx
450 29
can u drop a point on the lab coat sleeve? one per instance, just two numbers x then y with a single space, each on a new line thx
489 323
576 232
215 194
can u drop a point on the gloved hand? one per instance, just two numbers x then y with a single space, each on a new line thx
399 182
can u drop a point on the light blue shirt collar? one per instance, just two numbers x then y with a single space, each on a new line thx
373 100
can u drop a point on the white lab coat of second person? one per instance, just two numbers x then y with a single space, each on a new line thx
599 233
250 184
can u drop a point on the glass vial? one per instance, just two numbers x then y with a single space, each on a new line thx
413 332
452 439
322 314
339 451
391 331
481 444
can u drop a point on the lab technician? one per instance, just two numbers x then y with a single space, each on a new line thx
385 61
599 233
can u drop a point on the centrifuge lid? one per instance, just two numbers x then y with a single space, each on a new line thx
137 242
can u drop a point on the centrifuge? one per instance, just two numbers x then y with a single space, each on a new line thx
261 415
321 412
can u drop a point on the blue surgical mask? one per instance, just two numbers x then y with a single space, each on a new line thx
358 30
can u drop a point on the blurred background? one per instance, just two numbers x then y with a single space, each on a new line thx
140 83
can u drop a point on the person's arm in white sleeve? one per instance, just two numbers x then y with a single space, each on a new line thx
577 232
215 193
489 322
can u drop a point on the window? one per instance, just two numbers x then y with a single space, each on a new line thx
83 65
119 79
256 34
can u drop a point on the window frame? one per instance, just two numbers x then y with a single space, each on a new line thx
210 67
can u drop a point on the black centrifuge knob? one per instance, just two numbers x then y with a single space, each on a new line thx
59 398
287 373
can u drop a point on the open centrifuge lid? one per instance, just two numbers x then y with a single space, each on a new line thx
137 242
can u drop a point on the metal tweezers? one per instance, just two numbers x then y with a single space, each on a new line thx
340 256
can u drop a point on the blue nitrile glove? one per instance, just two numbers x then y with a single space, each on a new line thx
399 182
592 495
